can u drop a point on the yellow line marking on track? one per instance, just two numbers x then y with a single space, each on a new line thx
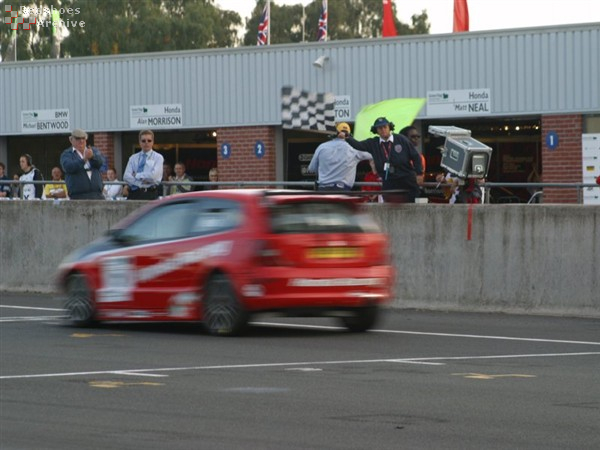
89 335
120 384
483 376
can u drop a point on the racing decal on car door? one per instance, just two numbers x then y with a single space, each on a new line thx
182 259
117 279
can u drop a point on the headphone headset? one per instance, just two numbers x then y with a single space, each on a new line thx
28 158
374 128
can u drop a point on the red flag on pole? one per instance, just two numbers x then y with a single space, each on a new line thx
461 16
389 25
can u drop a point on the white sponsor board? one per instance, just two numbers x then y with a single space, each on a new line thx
155 116
343 108
590 146
468 102
45 121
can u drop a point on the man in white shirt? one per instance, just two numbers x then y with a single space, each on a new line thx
112 191
144 170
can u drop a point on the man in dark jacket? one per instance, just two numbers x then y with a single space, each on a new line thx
396 160
81 165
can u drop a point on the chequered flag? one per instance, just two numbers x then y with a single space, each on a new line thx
307 110
15 19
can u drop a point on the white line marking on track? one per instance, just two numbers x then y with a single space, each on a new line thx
289 364
423 333
31 307
406 361
124 372
30 319
476 336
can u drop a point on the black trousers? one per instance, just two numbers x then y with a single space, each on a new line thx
143 193
407 183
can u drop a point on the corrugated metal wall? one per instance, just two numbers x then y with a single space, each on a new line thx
529 71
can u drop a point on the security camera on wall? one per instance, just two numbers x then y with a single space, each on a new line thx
462 155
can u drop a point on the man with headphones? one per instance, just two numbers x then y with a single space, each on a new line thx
396 160
30 173
335 162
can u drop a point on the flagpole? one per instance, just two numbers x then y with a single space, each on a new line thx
327 20
269 23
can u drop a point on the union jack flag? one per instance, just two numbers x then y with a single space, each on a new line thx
322 33
263 27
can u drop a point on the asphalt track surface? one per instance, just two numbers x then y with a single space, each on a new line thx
421 380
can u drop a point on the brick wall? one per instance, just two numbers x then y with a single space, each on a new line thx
563 164
243 165
105 143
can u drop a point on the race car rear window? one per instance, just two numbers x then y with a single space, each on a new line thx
320 217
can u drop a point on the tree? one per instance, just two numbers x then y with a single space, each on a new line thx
30 44
136 26
347 19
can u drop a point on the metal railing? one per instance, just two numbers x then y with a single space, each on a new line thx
312 185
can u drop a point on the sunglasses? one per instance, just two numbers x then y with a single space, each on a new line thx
146 140
79 138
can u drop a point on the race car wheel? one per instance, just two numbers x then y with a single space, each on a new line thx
362 319
223 313
78 304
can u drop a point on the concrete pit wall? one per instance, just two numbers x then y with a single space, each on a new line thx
542 259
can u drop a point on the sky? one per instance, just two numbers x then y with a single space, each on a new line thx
483 14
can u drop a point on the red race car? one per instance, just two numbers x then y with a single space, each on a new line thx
220 256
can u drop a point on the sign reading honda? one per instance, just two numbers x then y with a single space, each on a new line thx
342 108
468 102
45 121
155 116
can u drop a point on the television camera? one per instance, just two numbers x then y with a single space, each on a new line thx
462 155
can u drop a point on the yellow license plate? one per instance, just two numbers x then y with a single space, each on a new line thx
334 252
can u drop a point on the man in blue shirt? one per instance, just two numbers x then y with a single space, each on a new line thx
335 162
144 170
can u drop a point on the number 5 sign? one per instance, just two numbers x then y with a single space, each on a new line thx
259 149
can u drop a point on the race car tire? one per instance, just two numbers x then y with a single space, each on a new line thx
362 319
78 304
223 313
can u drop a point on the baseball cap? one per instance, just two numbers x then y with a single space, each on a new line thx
343 126
380 122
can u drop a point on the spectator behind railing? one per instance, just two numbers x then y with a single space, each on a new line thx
55 190
81 164
164 189
112 191
180 176
144 171
4 188
30 173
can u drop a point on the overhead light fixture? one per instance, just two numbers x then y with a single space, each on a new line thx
320 61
